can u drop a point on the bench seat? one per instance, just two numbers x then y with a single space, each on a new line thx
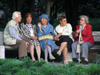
96 35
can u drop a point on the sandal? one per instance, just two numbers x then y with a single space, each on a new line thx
59 53
85 62
34 61
65 62
51 57
46 61
79 60
41 59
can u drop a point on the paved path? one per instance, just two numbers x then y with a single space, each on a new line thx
61 63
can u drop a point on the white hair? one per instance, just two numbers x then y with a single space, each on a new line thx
85 17
15 14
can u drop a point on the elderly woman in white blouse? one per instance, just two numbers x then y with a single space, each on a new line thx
63 37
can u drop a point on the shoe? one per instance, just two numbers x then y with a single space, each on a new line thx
46 61
34 61
65 62
51 57
21 58
59 53
41 59
85 62
79 61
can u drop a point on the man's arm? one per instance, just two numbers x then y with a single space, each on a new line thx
13 33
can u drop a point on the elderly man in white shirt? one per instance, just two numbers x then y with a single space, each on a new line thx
63 37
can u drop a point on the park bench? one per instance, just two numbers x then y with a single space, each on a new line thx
96 35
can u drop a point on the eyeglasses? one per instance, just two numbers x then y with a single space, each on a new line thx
82 20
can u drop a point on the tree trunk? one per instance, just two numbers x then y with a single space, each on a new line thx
48 7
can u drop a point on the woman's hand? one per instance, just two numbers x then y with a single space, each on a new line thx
33 38
39 25
81 42
58 35
78 31
56 38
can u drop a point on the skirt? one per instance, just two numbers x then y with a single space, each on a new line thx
65 39
34 42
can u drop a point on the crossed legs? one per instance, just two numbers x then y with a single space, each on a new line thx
63 48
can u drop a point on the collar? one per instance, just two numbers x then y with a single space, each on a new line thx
15 22
81 28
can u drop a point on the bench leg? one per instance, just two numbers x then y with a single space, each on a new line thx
69 56
2 52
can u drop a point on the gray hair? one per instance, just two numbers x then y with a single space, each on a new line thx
85 17
15 14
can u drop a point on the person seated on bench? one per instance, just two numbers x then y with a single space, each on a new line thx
29 31
45 28
84 32
63 37
12 36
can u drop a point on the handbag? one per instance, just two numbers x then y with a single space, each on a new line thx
78 45
45 37
78 48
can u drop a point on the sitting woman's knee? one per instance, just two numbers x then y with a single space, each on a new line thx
84 44
73 44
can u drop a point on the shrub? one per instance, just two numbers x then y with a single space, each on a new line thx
27 67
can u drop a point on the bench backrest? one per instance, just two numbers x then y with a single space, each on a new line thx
96 36
1 38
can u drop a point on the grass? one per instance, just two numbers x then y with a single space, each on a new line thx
27 67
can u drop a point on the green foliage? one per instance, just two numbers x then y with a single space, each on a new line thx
95 24
97 59
35 21
6 9
55 23
27 67
90 8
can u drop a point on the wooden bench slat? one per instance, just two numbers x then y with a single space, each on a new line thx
96 47
96 35
10 48
57 47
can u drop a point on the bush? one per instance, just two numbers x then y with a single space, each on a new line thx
27 67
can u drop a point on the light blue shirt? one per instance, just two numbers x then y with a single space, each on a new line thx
13 31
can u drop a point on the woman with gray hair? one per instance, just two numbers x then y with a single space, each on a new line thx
83 37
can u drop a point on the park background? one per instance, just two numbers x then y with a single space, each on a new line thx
72 9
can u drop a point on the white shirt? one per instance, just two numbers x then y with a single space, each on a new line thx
66 30
61 30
